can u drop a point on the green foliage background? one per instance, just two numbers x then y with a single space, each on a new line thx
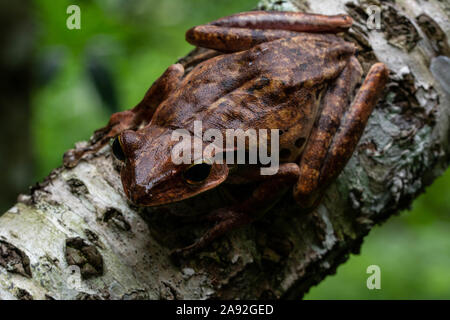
139 39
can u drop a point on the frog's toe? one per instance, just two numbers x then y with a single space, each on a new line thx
180 254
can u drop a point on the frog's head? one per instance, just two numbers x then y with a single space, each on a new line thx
149 175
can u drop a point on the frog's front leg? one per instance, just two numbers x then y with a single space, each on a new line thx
130 119
262 198
245 30
338 130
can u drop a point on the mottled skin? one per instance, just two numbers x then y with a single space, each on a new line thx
281 70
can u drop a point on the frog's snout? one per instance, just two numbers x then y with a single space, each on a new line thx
138 195
149 192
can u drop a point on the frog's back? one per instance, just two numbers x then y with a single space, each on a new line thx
275 85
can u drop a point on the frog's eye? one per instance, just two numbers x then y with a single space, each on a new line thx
197 173
118 150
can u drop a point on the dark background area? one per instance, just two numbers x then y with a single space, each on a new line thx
59 85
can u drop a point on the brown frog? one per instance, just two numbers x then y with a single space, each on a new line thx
276 70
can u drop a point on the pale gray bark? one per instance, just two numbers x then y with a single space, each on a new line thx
80 216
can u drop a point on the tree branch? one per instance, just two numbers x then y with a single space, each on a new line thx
76 237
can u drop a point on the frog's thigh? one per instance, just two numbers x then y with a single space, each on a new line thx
294 21
334 104
227 39
323 162
245 30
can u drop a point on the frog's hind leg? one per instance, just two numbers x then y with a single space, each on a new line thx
334 105
337 131
293 21
130 119
245 30
263 197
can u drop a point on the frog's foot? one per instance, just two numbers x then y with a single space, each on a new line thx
262 198
228 219
338 130
130 119
245 30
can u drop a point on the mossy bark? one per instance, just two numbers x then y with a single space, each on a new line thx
77 237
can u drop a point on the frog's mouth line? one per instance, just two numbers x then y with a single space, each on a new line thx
166 192
165 200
